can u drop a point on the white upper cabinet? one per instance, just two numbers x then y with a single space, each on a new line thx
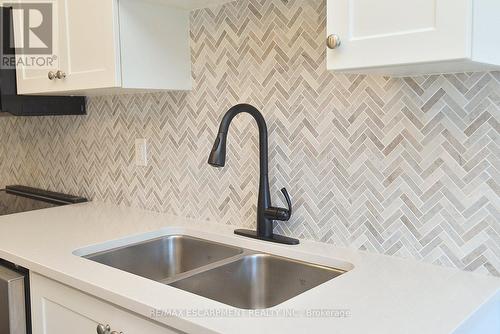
194 4
112 46
411 37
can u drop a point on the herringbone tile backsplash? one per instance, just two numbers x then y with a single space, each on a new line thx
408 167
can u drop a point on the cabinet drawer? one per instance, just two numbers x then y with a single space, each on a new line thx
59 309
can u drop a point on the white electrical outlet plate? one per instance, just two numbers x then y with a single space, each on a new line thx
141 152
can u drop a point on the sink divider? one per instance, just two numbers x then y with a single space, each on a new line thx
210 266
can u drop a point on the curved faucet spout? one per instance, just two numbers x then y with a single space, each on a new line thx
218 155
266 214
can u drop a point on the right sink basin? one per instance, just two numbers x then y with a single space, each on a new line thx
257 281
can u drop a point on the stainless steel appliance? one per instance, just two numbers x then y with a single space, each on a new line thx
13 301
15 315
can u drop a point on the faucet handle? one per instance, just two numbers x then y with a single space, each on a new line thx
288 202
280 213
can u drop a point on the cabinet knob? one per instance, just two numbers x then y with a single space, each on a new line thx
103 329
60 74
333 41
51 75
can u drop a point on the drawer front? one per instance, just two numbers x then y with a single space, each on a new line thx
59 309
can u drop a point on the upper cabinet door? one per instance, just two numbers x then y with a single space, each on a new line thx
89 44
84 47
383 33
106 47
32 76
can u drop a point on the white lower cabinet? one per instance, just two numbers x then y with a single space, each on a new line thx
59 309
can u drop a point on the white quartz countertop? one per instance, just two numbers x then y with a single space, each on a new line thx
379 294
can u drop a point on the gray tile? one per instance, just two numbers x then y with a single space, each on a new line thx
407 167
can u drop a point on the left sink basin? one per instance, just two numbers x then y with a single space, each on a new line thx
163 258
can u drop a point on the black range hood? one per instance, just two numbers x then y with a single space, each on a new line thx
24 105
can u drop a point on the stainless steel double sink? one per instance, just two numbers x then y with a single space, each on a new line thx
235 276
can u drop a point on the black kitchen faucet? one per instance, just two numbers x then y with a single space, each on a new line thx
266 213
